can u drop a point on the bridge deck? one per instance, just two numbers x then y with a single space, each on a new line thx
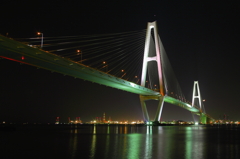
17 51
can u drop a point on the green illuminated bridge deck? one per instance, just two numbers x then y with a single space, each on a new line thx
14 50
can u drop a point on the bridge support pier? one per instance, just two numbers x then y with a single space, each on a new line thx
159 108
203 118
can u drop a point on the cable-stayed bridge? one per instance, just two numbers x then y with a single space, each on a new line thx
135 62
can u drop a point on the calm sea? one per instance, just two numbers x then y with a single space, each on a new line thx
120 142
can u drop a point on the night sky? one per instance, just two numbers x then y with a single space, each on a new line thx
201 39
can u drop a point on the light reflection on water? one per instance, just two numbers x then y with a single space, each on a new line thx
186 142
73 142
148 143
122 141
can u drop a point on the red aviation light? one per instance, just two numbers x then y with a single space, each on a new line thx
23 58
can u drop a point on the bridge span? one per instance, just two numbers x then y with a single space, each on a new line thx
20 52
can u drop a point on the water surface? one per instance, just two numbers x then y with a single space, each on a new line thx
120 141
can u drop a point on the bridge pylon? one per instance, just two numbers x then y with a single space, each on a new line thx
197 95
152 26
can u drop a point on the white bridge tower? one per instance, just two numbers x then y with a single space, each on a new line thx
152 26
197 96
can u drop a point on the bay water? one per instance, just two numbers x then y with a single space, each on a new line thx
120 142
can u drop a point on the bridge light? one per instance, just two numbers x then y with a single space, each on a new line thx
22 57
78 52
122 70
132 84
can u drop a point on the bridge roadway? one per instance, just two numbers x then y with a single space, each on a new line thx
20 52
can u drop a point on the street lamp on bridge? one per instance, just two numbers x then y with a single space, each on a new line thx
105 65
79 52
39 33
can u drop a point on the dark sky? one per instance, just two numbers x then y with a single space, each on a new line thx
201 39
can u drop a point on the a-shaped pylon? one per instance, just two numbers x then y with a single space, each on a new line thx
146 60
197 95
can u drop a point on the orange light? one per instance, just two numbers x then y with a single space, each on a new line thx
38 33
